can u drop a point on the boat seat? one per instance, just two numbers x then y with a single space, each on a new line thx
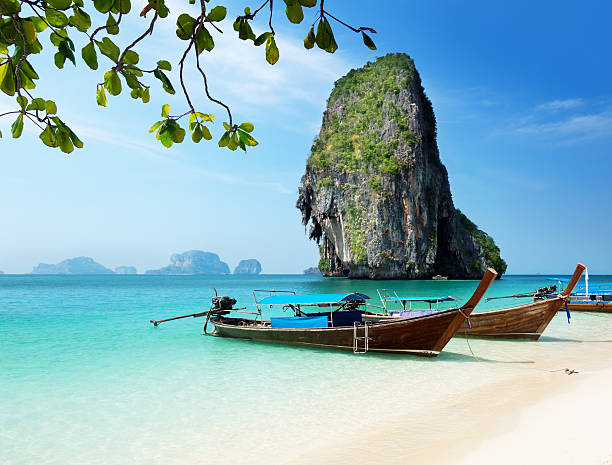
607 297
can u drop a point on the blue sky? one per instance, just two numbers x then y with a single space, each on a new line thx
522 93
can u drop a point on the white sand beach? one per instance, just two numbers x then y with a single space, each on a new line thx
542 415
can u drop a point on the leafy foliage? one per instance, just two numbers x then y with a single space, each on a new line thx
22 21
490 249
352 139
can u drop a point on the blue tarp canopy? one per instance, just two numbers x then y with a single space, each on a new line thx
312 299
431 300
299 322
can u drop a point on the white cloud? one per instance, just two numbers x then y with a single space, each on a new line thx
566 104
573 128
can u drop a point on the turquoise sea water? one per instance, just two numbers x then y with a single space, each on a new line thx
86 379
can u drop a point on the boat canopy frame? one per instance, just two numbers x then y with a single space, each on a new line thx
295 302
389 295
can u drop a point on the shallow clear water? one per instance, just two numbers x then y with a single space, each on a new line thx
85 378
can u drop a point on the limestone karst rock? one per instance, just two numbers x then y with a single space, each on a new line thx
375 192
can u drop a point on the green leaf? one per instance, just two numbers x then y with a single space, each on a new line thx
3 69
294 13
56 18
163 64
308 3
90 56
108 48
333 46
262 38
60 4
185 26
111 25
204 40
63 140
101 96
17 126
165 110
178 135
122 6
167 85
156 125
50 107
22 101
271 50
197 135
130 57
29 31
37 104
103 6
59 59
10 7
112 82
205 132
248 127
225 138
8 83
368 41
233 142
217 14
26 67
65 49
80 19
132 82
48 136
309 40
323 37
39 23
145 95
227 126
244 31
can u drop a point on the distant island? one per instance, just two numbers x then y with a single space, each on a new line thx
1 272
78 265
193 262
312 270
249 266
125 270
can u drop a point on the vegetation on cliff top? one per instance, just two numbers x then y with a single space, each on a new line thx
351 139
491 250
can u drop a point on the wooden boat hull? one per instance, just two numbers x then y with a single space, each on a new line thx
425 336
521 322
526 321
598 307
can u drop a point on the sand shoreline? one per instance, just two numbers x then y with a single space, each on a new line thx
538 415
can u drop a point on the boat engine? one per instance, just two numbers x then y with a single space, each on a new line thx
544 292
222 303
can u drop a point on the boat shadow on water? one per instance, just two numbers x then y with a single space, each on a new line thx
447 356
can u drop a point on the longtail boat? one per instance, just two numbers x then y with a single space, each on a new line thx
342 326
596 297
527 321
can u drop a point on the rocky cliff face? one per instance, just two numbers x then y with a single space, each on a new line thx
248 266
193 262
78 265
375 193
